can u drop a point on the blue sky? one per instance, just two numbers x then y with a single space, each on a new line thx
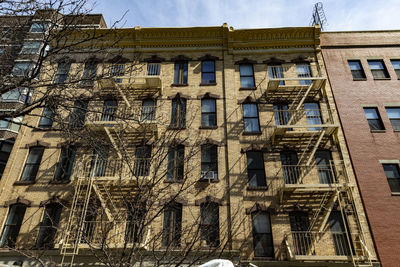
342 15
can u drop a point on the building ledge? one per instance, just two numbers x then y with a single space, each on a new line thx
208 84
24 182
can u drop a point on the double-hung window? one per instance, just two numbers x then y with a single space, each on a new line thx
12 124
373 118
250 118
181 72
46 120
208 113
262 234
393 176
209 162
153 69
22 68
5 151
276 72
65 164
38 27
21 94
78 115
30 48
208 72
12 226
135 223
378 69
117 70
172 225
89 73
142 161
149 109
394 117
209 224
48 226
246 76
396 67
109 110
304 71
175 170
32 164
178 113
255 169
356 69
62 72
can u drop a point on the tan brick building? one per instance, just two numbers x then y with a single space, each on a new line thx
364 71
188 144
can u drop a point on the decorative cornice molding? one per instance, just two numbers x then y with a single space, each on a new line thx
209 199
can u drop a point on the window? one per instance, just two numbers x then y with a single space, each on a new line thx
17 95
208 113
396 67
246 76
176 156
109 110
89 73
62 72
181 72
393 176
172 226
135 223
39 26
78 115
356 69
302 237
149 110
153 69
117 70
394 117
262 234
142 161
12 226
209 162
281 113
30 48
209 224
12 124
22 68
304 71
46 121
178 114
276 72
32 164
290 168
1 51
339 233
373 118
313 115
250 118
378 69
5 151
325 167
255 168
208 72
98 164
65 164
48 226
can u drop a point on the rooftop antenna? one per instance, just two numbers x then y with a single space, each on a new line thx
318 16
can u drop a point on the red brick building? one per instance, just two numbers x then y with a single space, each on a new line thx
364 72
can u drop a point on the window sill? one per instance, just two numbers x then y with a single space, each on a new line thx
378 131
395 193
179 85
204 180
359 79
208 84
174 181
59 182
384 79
257 188
208 127
24 182
247 88
263 258
396 131
252 133
176 127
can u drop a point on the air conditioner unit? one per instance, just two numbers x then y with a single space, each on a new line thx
209 175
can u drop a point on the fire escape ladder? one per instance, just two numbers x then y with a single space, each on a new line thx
300 98
361 256
113 142
315 147
103 202
118 86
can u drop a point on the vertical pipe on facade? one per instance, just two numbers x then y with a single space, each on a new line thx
225 33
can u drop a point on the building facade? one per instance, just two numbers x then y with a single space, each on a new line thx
363 69
187 144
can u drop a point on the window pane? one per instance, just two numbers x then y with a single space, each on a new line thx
208 105
246 82
371 113
354 65
251 125
393 113
208 66
255 160
261 223
376 65
391 170
246 70
256 178
208 77
396 64
208 120
250 110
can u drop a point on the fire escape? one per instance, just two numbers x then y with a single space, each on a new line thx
312 179
111 177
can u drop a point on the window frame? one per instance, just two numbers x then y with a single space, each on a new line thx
172 225
23 72
44 28
395 189
89 73
274 74
209 211
210 166
178 113
208 82
142 162
378 119
304 75
8 227
251 118
382 70
24 95
30 170
47 118
148 112
359 71
26 50
260 170
256 235
247 76
62 72
395 127
48 226
109 110
396 70
206 114
176 163
65 164
181 72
